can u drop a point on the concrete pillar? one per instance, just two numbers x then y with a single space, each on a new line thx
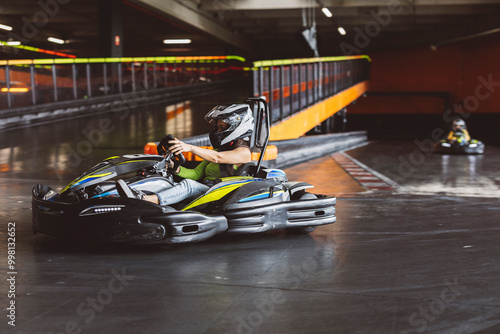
110 28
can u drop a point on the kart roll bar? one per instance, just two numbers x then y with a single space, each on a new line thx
260 136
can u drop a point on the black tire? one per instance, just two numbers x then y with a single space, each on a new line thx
302 195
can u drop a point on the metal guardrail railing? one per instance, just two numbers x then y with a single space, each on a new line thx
289 85
33 82
295 84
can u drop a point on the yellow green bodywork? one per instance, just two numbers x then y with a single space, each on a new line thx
219 192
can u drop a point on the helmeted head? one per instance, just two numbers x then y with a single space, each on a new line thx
458 124
230 122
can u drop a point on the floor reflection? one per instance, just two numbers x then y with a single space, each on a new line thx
463 169
455 175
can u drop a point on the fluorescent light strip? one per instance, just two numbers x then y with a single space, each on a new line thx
12 43
341 31
4 27
177 41
55 40
327 12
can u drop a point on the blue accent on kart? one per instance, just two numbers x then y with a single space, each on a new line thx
276 173
261 196
108 193
85 180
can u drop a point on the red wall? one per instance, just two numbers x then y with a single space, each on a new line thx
454 68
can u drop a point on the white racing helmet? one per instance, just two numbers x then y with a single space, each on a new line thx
240 120
458 124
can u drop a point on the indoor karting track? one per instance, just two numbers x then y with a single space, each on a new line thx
415 250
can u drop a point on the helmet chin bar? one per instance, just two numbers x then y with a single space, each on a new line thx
215 140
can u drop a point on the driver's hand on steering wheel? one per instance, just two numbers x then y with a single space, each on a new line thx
171 167
179 146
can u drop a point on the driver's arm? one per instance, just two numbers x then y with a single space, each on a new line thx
196 173
239 155
466 135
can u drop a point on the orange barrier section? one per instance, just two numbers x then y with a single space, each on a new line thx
270 154
23 78
298 124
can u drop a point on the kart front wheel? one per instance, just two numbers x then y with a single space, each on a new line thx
302 195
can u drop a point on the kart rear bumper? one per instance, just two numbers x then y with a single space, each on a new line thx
284 215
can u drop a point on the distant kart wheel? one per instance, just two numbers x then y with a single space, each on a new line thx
302 195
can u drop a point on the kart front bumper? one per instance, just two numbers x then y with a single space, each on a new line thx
121 220
474 148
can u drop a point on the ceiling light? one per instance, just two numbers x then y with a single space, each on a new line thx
55 40
177 41
13 43
341 31
4 27
327 12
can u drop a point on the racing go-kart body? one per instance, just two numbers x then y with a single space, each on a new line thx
256 200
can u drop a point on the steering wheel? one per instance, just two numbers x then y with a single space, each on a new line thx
163 149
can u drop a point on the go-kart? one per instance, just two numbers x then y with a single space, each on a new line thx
257 199
455 147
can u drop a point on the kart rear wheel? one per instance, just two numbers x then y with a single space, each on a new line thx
302 195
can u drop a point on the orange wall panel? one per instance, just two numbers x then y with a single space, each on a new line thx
460 69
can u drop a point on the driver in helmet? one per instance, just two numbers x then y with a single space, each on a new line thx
459 133
232 127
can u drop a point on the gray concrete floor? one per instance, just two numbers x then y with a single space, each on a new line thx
423 258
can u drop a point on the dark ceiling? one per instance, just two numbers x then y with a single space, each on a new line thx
256 29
